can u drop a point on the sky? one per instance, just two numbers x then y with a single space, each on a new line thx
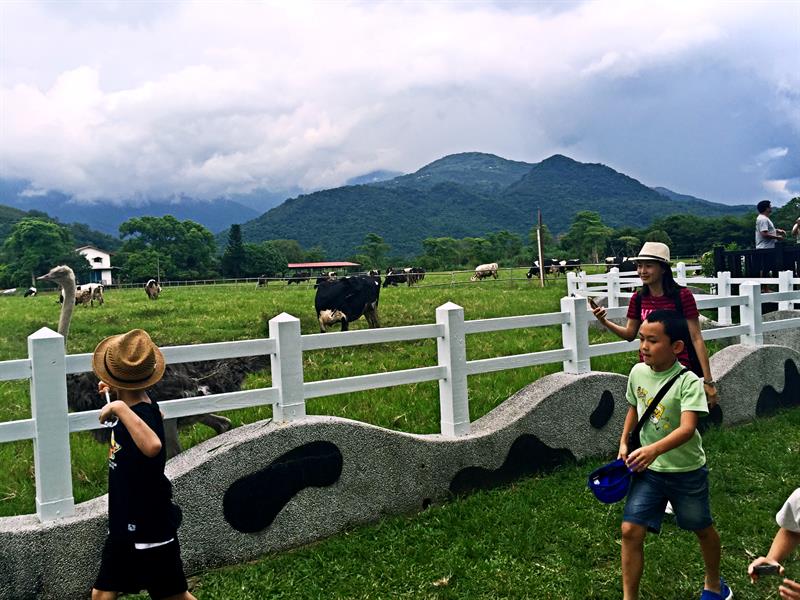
128 100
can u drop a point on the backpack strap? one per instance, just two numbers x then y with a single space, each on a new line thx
654 404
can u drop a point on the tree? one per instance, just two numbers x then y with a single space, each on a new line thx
290 249
587 235
234 256
263 259
659 235
440 252
375 248
34 247
188 247
504 245
629 244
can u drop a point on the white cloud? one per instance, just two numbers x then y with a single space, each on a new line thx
208 98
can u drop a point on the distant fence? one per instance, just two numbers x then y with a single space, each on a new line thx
47 367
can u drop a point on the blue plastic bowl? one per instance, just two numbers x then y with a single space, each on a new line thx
610 482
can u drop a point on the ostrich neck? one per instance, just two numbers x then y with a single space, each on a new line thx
66 309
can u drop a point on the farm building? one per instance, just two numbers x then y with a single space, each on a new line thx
100 262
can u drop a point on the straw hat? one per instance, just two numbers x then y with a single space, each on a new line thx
128 361
653 251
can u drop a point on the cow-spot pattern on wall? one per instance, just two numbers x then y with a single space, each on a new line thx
527 455
251 503
770 400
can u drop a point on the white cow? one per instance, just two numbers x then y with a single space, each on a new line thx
484 271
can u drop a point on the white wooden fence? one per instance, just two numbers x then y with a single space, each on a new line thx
47 367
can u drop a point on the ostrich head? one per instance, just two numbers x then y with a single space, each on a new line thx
64 277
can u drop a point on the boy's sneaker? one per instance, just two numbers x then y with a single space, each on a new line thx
725 592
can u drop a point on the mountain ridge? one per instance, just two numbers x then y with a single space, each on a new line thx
470 194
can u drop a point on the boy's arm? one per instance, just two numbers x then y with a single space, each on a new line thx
145 438
642 458
631 418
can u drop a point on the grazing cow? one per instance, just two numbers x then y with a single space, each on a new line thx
152 289
395 277
31 291
262 281
415 275
298 278
571 264
623 263
345 300
484 271
324 278
550 266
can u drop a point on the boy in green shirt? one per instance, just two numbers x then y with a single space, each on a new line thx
670 465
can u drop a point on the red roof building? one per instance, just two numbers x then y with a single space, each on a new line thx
322 265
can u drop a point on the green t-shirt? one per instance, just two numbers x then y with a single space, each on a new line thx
685 394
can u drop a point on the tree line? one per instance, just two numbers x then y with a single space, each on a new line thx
166 248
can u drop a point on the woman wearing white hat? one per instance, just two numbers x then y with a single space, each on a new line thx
660 291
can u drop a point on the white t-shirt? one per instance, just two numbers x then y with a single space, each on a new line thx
763 223
788 516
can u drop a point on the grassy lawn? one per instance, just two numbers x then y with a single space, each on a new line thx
541 538
195 314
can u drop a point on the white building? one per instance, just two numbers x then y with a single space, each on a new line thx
100 262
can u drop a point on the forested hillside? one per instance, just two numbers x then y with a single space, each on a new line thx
470 195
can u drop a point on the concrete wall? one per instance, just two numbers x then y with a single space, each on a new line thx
266 487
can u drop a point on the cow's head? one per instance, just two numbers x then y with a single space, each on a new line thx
329 317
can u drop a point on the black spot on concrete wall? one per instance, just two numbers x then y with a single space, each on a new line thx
769 400
251 503
712 419
603 411
528 455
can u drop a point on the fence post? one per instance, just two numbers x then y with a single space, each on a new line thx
681 273
572 283
575 334
452 353
751 314
51 452
724 289
287 368
613 288
785 285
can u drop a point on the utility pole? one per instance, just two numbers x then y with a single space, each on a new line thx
539 244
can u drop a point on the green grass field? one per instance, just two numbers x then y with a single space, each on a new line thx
195 314
543 537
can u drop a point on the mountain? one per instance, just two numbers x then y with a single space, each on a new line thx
468 194
104 216
686 198
373 177
82 234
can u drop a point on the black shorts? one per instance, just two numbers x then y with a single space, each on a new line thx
158 570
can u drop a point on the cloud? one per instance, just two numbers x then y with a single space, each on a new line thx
125 100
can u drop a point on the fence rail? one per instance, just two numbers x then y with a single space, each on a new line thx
47 366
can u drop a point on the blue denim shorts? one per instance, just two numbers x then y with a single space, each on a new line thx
688 493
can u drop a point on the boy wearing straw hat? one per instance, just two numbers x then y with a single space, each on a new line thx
141 550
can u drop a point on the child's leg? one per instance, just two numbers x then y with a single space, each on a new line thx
103 595
632 558
710 547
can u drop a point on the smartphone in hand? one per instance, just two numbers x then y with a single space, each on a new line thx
592 303
762 570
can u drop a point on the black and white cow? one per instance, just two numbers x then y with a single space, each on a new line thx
415 275
31 291
345 300
298 278
262 281
395 277
623 263
571 264
550 266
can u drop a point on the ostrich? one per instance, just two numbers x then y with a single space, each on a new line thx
182 380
